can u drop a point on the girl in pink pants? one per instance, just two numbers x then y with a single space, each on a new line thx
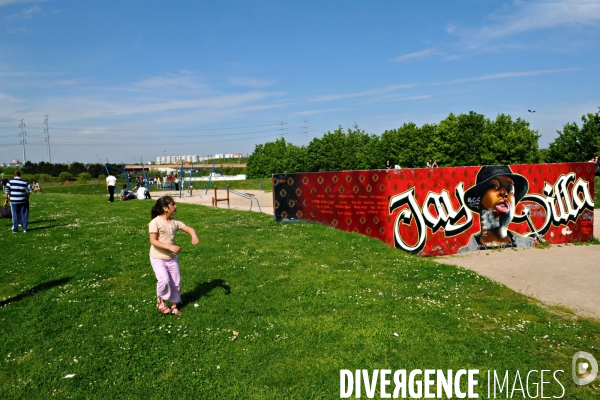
163 253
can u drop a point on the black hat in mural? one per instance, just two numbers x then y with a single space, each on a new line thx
475 193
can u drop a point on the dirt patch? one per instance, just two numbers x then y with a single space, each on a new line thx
244 200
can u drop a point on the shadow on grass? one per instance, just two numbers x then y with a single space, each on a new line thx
203 289
39 228
39 221
36 289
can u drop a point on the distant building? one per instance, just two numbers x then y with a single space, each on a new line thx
161 160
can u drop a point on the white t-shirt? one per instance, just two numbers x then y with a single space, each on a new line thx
166 231
140 193
111 180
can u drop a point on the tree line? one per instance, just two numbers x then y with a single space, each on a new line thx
75 168
458 140
45 171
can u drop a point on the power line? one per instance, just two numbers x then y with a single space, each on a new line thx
184 135
148 143
282 128
47 132
23 141
306 130
162 130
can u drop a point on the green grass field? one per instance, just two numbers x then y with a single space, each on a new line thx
77 297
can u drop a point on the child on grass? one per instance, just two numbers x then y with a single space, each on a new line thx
164 251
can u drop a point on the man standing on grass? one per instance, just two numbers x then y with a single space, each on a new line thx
18 195
111 182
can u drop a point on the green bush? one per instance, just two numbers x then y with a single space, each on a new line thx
101 177
29 177
8 172
44 178
65 176
84 177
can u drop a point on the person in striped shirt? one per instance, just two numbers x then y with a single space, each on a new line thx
16 191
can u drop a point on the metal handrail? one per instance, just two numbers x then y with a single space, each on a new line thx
244 195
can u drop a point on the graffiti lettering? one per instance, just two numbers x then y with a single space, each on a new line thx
406 215
447 217
443 216
564 202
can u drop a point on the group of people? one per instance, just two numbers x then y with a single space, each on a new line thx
16 193
387 166
170 181
141 192
430 164
165 182
596 161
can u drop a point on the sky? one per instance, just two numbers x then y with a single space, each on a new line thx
127 81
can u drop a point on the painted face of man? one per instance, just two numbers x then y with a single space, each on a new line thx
498 203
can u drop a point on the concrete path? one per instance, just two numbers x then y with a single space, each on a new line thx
562 275
236 202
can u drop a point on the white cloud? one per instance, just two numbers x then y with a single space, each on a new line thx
68 82
504 75
176 98
8 98
320 111
398 98
417 55
32 11
385 94
181 80
79 109
525 16
25 14
366 93
249 82
4 3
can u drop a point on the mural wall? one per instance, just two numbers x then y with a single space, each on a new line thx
436 211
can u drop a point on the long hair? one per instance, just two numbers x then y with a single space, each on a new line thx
157 208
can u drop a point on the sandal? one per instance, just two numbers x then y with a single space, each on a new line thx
161 306
175 310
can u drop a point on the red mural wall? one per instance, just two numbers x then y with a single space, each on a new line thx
441 211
